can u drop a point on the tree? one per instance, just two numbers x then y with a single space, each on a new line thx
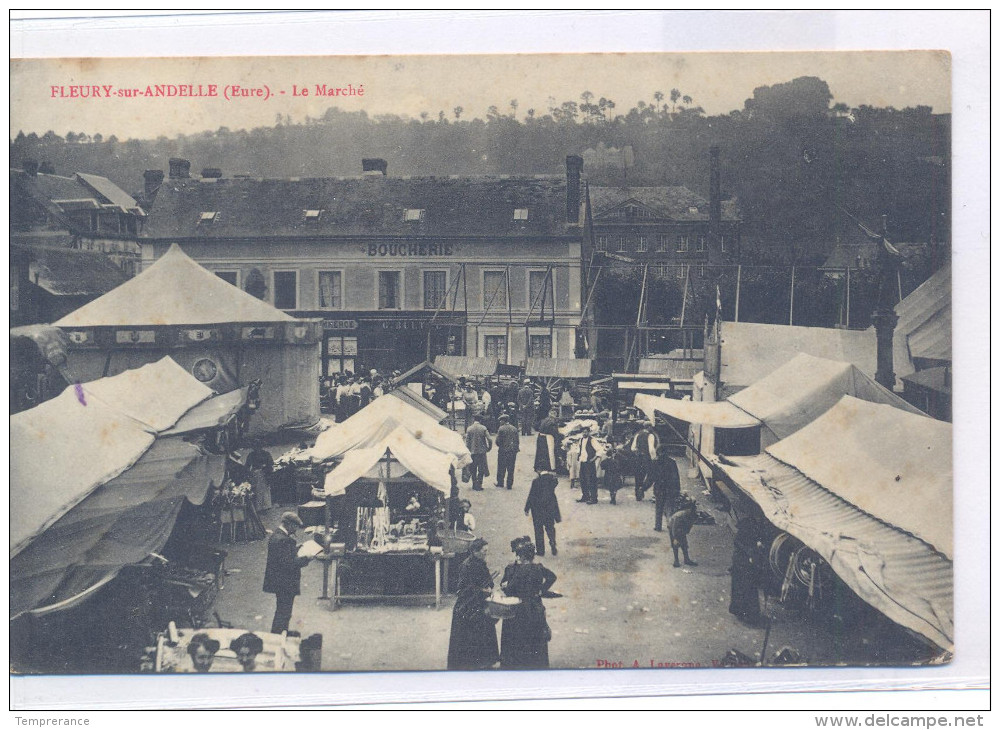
458 112
70 137
687 100
674 96
98 138
659 97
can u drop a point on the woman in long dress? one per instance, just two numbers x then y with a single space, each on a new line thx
524 640
473 643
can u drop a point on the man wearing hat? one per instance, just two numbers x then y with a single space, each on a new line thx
508 444
526 407
645 446
282 576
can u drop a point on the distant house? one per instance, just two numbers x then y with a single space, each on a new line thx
671 228
83 211
398 268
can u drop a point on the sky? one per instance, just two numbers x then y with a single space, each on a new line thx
42 89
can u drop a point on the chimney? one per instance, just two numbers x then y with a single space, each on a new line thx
179 168
30 167
374 166
574 166
213 173
714 188
153 178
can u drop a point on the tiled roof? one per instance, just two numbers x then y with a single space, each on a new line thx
674 202
360 206
68 272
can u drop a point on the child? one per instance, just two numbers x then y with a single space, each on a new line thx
680 525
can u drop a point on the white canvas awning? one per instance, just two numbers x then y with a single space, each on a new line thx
373 424
427 464
721 414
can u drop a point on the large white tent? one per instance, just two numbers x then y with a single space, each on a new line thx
375 422
400 449
215 331
64 448
781 403
869 488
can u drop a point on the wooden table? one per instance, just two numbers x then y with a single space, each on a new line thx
332 561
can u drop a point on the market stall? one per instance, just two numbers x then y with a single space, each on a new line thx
386 506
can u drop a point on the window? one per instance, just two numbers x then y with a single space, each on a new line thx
286 289
701 243
702 271
389 290
602 243
693 210
340 354
208 216
495 346
662 243
537 296
330 292
682 244
233 277
643 244
622 244
680 271
413 214
311 215
435 288
660 269
540 346
520 214
494 290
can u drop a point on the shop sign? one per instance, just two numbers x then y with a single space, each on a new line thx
410 249
340 324
127 337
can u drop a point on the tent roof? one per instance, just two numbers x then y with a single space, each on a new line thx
473 367
211 413
62 449
118 524
550 367
901 576
676 368
417 401
924 327
373 423
173 291
791 397
427 464
896 466
750 350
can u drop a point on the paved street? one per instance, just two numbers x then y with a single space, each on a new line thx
623 601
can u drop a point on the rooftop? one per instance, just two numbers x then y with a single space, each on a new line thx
672 202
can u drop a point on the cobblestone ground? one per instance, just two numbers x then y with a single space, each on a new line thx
624 604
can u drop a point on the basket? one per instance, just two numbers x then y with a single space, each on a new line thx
496 609
456 541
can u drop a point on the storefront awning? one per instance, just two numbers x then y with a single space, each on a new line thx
427 464
472 367
549 367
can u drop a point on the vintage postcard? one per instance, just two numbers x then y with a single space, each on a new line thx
599 362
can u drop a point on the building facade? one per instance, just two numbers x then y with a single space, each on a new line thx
670 228
398 269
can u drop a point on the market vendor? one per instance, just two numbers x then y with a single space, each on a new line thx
282 574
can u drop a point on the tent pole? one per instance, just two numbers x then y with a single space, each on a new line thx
791 298
465 304
739 275
847 324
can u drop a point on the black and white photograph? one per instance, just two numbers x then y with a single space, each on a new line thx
481 363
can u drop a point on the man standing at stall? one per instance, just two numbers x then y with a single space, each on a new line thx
645 446
282 576
508 445
478 441
666 488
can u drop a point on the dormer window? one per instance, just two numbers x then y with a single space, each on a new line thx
520 214
631 211
413 214
693 210
311 215
208 216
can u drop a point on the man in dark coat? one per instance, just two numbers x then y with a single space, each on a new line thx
479 443
747 572
282 575
544 404
666 487
526 407
544 509
508 445
645 446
